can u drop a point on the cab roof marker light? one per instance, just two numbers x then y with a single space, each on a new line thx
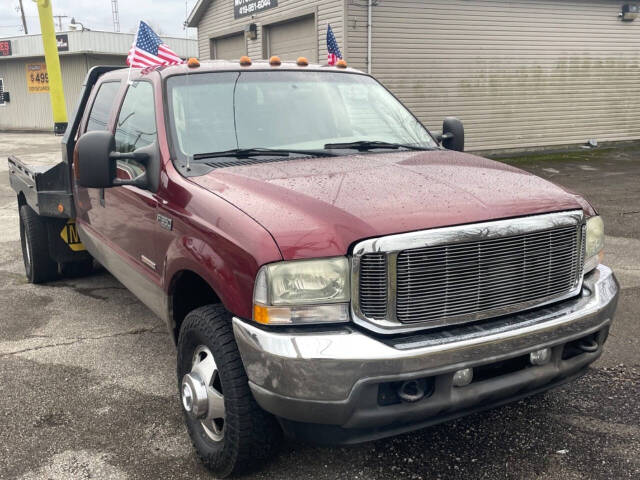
275 61
341 63
245 61
193 62
302 62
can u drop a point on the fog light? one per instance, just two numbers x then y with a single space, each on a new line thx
463 377
540 357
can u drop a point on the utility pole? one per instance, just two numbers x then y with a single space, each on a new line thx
115 15
24 20
60 17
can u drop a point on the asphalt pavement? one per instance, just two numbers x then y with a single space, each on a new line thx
88 386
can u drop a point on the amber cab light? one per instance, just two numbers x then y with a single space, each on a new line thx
341 64
193 62
275 61
245 61
302 62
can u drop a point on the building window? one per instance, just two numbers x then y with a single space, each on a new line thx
2 103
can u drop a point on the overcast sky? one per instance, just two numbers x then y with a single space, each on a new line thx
166 17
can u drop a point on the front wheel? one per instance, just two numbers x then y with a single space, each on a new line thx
230 432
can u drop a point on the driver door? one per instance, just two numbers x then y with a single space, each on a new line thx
129 218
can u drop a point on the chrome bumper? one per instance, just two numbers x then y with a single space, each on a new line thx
324 376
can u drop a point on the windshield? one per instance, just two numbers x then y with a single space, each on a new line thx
215 112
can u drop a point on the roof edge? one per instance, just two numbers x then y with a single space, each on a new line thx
197 13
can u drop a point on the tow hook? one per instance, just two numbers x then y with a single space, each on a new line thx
412 390
588 345
194 396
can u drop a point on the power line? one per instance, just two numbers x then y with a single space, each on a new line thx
60 17
24 20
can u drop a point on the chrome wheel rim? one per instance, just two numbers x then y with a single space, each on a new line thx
28 251
27 248
204 368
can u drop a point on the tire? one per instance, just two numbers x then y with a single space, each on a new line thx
81 268
250 436
38 265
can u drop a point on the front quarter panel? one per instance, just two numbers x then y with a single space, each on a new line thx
214 239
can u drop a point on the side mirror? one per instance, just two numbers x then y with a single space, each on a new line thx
97 160
452 137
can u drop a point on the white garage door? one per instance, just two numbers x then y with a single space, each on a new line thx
293 39
229 48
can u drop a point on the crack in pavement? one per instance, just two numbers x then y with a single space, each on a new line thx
136 331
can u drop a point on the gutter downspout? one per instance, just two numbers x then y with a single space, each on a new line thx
369 38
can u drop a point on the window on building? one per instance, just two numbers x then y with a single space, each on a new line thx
136 125
2 92
102 106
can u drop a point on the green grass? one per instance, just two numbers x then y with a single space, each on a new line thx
585 155
579 155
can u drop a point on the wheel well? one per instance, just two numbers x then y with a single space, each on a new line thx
189 291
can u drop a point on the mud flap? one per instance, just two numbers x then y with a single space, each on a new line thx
64 243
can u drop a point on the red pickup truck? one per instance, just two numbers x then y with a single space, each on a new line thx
327 267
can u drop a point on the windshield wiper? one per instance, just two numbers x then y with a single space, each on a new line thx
364 145
264 152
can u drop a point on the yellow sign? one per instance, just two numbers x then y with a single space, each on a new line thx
37 77
69 234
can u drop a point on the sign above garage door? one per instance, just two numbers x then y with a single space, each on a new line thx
244 8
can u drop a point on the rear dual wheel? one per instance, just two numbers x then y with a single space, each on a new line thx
38 265
228 429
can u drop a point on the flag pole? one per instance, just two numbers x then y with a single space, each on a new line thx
135 41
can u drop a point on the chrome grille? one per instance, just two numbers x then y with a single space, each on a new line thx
459 274
450 280
373 285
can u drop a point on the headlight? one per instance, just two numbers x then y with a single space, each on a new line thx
303 291
594 248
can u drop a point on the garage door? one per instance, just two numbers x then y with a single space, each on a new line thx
229 48
293 39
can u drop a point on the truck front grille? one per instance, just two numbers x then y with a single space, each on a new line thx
373 285
470 280
451 280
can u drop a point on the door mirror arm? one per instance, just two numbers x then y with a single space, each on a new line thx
440 136
141 157
140 182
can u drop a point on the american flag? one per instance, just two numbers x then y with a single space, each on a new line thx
148 50
333 50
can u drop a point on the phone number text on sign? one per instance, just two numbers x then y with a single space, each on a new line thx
242 8
37 77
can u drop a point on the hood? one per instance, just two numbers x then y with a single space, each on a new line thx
319 207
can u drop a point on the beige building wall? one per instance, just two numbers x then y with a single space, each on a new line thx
218 21
32 111
520 74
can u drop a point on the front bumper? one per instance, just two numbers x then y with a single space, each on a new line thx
334 377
